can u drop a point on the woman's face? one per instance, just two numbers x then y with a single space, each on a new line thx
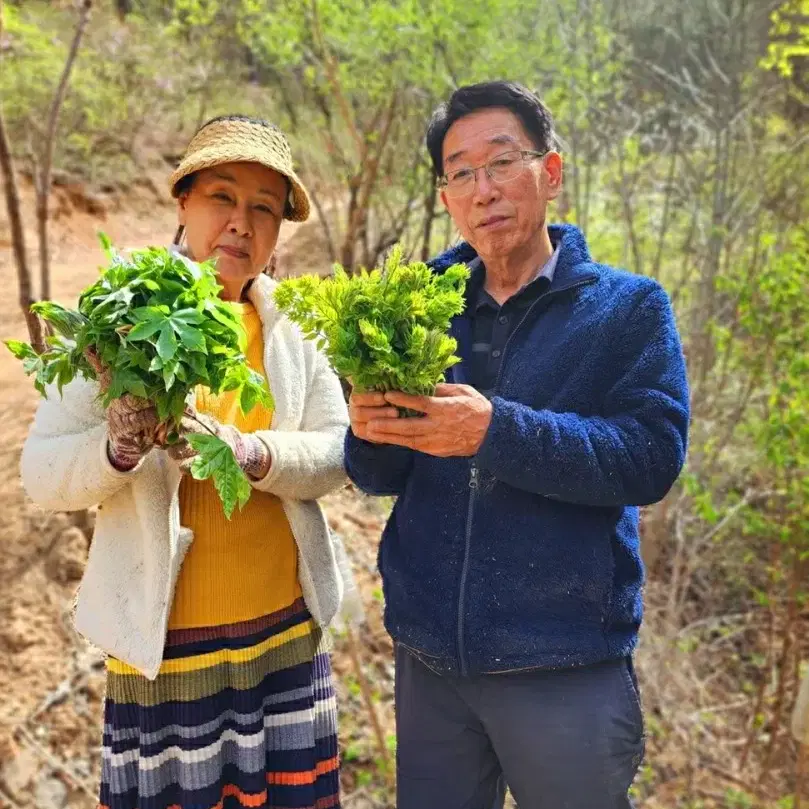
232 214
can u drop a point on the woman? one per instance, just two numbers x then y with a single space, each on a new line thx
219 689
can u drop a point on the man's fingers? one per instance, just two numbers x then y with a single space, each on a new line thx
406 441
400 427
360 430
445 389
362 407
423 404
371 413
369 399
364 414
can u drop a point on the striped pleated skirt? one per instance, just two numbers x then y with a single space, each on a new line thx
240 715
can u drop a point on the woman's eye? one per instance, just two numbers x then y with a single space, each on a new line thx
221 196
265 209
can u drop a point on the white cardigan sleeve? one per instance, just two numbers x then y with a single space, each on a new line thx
309 463
64 464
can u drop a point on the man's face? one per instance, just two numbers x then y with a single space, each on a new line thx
498 218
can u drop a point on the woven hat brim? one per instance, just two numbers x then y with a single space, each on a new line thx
215 155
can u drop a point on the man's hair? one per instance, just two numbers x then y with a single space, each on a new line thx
533 114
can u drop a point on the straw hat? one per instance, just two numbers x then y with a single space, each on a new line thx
238 139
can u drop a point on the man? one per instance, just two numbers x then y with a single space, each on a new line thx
510 563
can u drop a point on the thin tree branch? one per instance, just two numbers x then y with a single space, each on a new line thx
26 296
43 184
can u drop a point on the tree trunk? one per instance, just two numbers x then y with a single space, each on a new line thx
123 7
429 218
18 241
350 236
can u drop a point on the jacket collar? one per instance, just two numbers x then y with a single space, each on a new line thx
573 266
260 295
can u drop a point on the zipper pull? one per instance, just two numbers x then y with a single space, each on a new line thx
473 478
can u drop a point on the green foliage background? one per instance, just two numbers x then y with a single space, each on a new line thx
683 127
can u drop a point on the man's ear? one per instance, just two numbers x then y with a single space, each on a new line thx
443 195
554 171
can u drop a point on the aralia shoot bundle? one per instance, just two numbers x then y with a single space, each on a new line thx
385 329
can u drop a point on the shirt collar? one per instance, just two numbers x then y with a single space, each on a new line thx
477 268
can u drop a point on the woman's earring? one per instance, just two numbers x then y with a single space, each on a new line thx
272 266
179 241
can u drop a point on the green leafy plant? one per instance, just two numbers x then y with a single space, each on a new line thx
157 323
385 329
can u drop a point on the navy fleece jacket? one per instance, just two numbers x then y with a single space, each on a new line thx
527 555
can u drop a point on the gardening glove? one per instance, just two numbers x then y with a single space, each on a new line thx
132 425
251 453
132 422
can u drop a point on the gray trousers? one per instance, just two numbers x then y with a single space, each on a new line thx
569 739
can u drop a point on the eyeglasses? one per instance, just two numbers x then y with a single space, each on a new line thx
500 169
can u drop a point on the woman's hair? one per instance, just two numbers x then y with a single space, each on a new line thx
184 184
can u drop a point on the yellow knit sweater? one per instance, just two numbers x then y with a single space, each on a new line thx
247 566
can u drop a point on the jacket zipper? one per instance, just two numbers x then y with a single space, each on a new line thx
473 483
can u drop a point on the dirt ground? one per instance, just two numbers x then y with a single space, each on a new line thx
52 681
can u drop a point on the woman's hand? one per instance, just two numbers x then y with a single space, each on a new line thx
132 423
250 451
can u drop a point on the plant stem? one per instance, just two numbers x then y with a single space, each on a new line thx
373 713
203 424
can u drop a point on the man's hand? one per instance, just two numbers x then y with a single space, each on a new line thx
454 425
366 407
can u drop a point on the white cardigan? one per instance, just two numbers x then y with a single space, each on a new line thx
138 547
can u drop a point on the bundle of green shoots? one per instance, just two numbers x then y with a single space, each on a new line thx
385 329
157 323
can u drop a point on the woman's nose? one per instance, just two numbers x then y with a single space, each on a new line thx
240 223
